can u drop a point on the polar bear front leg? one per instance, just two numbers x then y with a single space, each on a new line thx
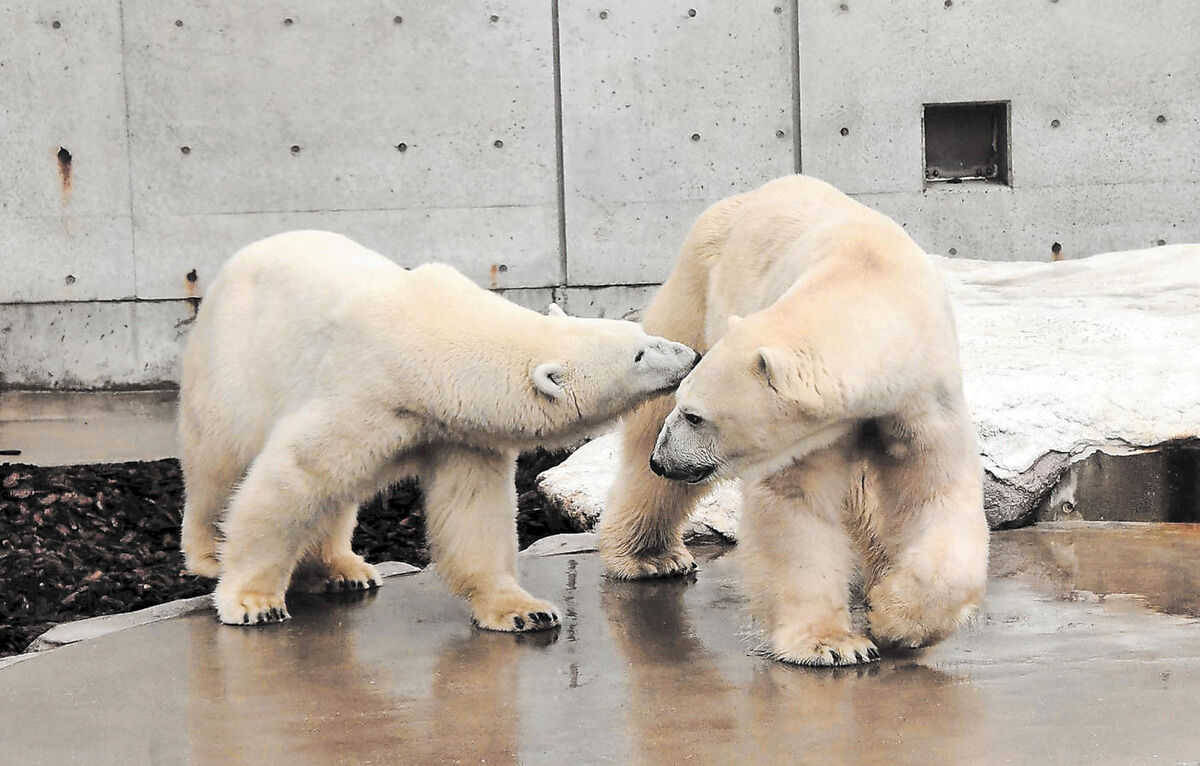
797 560
642 523
934 579
471 521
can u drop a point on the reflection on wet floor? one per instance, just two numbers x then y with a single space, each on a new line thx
1056 670
1159 563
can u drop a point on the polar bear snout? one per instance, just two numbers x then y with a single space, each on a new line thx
682 453
666 363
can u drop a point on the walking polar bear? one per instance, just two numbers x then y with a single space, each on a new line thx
318 372
838 400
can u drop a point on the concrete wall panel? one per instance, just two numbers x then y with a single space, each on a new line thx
92 345
665 111
278 121
494 246
868 68
61 91
618 302
1003 224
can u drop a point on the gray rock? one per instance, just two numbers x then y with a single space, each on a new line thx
1060 360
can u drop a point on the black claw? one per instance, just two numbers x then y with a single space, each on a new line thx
836 657
245 619
872 653
519 622
543 617
693 567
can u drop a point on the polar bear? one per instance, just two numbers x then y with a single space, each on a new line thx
838 400
319 372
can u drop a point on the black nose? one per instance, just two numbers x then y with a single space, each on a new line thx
699 356
656 467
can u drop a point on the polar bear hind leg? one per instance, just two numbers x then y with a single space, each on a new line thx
297 498
332 565
470 518
211 470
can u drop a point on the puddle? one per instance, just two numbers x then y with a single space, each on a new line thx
1158 564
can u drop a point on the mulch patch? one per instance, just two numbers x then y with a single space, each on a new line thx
87 540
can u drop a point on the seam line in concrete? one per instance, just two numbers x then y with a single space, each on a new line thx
560 170
184 299
128 145
796 157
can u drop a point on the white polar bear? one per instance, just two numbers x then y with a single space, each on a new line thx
319 372
838 400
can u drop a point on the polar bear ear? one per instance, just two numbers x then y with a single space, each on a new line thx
733 319
548 378
555 311
774 364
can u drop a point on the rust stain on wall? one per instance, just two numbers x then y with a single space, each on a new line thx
64 170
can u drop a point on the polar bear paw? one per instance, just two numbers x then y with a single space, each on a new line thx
836 650
676 561
347 574
513 613
249 607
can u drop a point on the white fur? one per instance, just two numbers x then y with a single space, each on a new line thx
318 372
831 385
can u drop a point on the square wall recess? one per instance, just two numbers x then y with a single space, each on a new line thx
966 142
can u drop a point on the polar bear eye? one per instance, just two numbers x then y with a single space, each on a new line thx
639 356
693 418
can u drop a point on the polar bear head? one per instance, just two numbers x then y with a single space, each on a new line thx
597 369
751 404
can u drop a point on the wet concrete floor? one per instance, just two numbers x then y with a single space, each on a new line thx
1088 651
73 428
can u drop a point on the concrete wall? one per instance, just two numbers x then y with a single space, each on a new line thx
548 149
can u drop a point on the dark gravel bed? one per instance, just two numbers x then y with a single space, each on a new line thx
86 540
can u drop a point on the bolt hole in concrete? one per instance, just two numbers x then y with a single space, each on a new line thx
56 24
70 280
397 19
695 136
691 13
494 18
402 147
498 144
603 15
844 131
179 22
295 149
288 22
1160 119
185 150
1162 486
1056 252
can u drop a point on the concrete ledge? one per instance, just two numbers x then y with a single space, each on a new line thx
95 627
